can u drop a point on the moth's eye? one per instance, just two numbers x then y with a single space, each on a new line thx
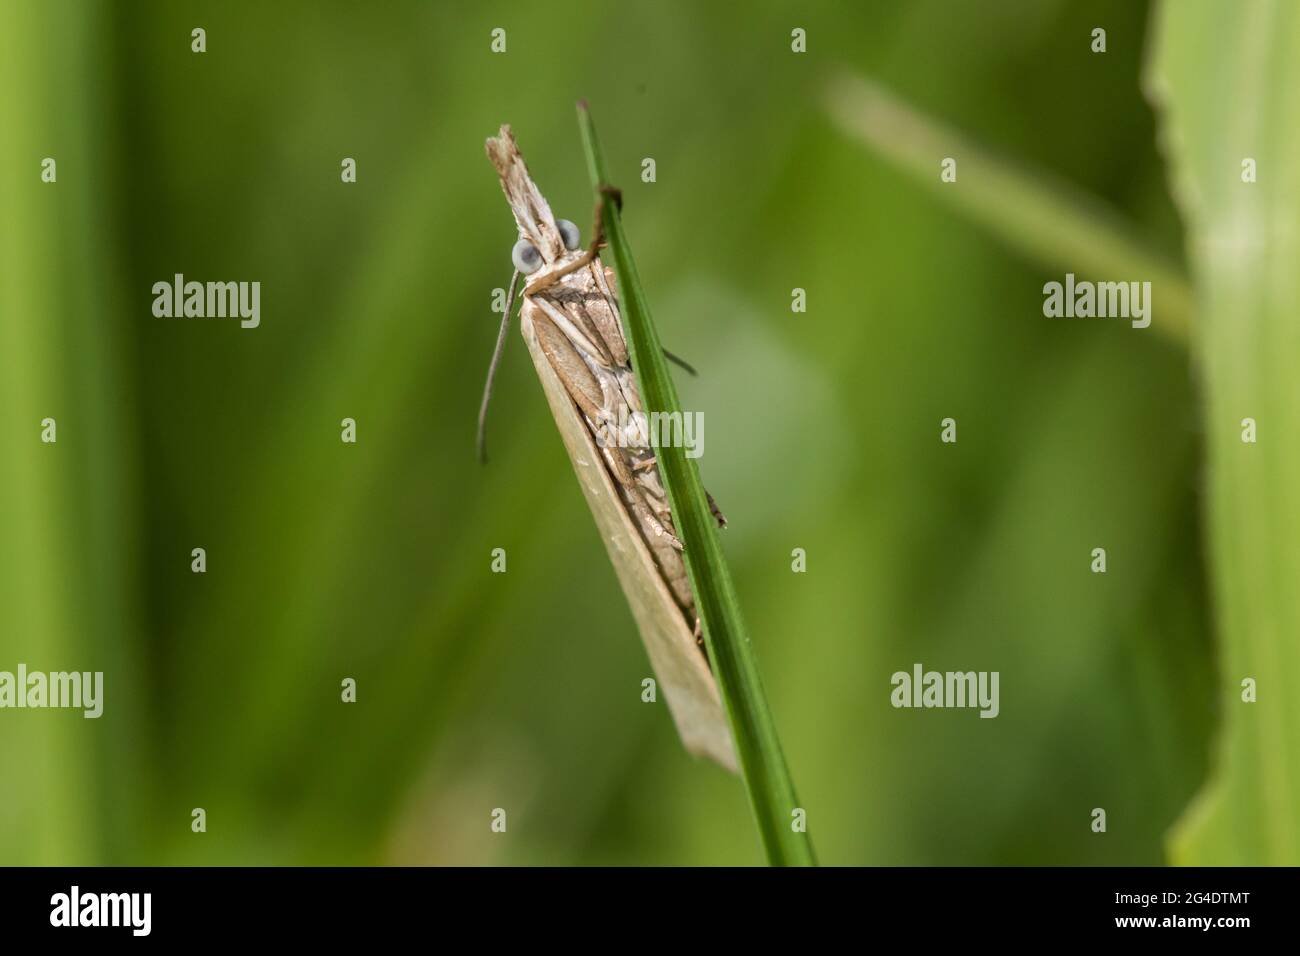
526 257
569 233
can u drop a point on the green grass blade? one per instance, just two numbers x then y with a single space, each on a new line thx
70 536
1044 219
1225 77
762 764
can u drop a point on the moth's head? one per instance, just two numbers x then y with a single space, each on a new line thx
544 241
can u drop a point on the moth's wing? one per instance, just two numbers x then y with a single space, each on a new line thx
679 666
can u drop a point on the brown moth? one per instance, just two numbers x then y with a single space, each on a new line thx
570 321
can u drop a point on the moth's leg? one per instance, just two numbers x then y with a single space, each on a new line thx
632 492
605 280
636 501
659 506
641 506
622 401
655 494
597 240
660 530
718 516
644 503
681 363
606 191
623 458
655 499
648 477
650 481
665 527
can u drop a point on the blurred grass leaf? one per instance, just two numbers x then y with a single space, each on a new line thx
1226 75
61 534
1040 216
762 763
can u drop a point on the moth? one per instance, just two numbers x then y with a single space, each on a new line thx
570 320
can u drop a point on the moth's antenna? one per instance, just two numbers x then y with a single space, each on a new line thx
492 370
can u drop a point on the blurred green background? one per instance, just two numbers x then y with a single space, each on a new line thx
371 561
